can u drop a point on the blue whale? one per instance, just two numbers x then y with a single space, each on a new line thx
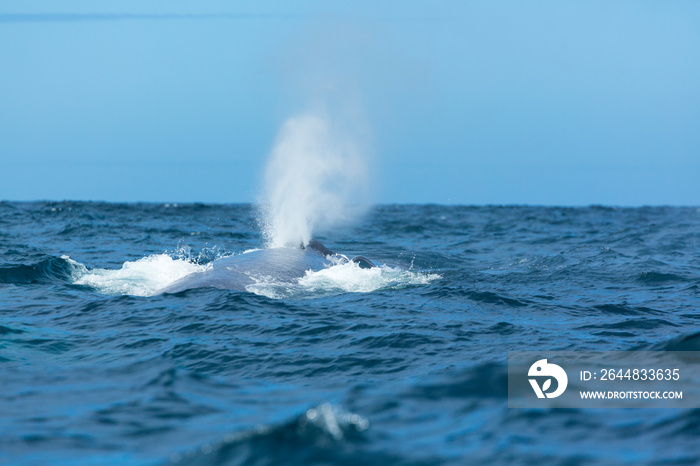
281 265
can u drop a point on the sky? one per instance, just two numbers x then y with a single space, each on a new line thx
461 102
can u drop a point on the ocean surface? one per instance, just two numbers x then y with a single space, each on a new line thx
401 364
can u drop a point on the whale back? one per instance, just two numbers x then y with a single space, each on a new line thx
281 265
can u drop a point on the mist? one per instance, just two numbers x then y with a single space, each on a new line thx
316 179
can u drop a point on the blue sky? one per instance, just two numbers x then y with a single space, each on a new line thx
491 102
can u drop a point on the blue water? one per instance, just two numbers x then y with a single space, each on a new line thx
404 364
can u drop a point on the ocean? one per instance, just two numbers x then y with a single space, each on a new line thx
405 363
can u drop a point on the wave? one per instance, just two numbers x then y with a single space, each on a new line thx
690 342
49 269
660 278
488 380
316 436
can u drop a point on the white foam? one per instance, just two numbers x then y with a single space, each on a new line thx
144 277
350 277
342 277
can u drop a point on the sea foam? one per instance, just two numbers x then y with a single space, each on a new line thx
342 276
144 277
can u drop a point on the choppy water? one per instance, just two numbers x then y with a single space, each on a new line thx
405 364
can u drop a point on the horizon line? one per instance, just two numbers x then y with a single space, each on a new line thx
252 203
